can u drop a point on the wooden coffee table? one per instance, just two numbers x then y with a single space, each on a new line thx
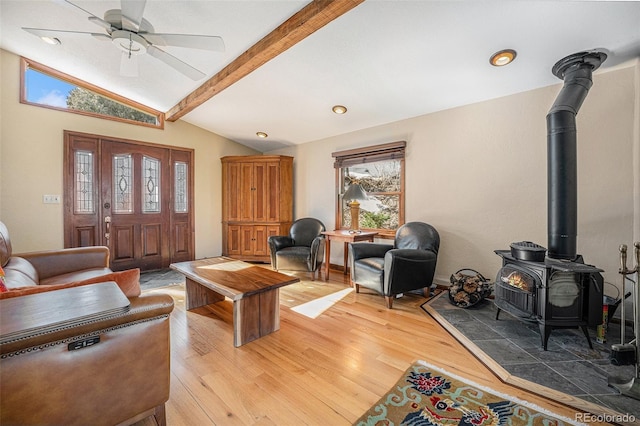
254 291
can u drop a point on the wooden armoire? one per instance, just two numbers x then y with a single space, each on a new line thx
257 202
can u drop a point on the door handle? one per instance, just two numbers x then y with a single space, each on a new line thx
107 222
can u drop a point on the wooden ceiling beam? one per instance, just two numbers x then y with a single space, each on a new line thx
303 23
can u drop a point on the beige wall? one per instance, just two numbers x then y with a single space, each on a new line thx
478 174
31 161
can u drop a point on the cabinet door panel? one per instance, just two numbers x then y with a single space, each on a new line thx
246 190
260 240
233 240
272 205
273 231
247 243
259 192
233 192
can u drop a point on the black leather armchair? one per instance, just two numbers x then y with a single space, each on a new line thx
409 264
302 249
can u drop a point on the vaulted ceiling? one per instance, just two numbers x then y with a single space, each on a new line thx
287 62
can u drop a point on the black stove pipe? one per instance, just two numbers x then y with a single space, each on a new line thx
562 176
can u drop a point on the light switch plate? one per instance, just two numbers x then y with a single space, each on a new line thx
51 199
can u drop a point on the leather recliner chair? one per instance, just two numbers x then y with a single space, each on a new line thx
407 265
302 249
122 379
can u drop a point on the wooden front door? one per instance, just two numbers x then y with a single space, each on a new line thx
135 198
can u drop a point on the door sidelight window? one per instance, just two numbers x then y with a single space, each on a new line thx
84 183
181 187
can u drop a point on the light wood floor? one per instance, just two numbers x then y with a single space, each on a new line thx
326 370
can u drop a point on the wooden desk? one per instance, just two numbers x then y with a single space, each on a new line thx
346 237
253 289
40 313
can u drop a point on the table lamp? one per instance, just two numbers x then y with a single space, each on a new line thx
353 194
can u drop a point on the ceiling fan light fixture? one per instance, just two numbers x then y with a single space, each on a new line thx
262 135
503 57
339 109
129 42
51 40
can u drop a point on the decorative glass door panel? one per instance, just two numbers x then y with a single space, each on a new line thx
122 185
151 185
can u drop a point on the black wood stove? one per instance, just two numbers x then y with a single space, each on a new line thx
554 293
556 289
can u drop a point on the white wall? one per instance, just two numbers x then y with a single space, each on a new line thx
478 174
31 163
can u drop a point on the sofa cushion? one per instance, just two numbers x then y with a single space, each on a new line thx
296 258
20 272
370 273
34 289
128 281
81 275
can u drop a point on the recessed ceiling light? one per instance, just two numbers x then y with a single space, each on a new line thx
262 135
502 57
339 109
50 40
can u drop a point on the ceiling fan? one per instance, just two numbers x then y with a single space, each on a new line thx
135 36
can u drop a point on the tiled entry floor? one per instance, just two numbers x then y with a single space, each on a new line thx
568 366
160 278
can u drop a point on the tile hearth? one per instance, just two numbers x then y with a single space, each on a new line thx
568 366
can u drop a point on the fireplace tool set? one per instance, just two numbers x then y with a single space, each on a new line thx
628 353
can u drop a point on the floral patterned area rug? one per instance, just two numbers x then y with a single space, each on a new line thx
430 396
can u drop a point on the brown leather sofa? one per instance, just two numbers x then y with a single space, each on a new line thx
53 266
121 379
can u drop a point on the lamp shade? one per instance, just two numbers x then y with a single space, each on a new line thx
355 192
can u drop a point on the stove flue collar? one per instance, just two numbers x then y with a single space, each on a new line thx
592 58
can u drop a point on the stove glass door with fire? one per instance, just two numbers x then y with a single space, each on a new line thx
515 292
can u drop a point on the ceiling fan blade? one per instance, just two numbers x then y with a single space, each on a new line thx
101 37
175 63
92 18
132 11
76 6
42 32
100 22
204 42
129 65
